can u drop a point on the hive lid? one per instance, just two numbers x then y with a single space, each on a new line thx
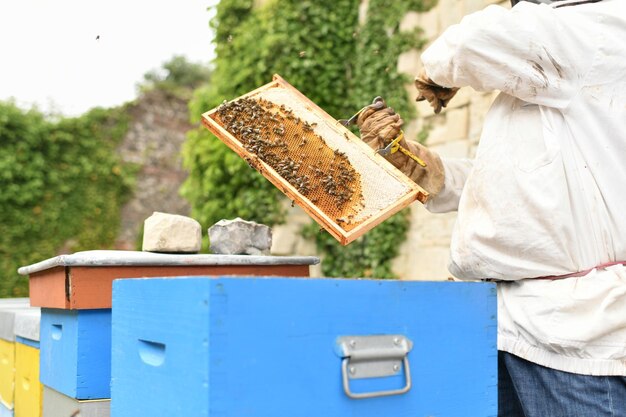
344 185
8 317
136 258
27 323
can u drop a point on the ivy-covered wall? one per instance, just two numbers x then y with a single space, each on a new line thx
251 45
61 187
320 48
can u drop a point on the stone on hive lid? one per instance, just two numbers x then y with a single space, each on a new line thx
240 237
171 233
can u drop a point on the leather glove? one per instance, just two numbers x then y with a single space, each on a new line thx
436 95
380 127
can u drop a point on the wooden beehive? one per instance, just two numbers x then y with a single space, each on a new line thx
344 185
272 347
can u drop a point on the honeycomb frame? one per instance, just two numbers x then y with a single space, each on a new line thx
334 210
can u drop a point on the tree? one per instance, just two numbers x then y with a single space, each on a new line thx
177 76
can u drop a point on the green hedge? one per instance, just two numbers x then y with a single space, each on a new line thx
61 184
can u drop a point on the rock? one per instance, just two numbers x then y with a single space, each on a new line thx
240 237
171 233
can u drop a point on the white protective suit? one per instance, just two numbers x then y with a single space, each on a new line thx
546 193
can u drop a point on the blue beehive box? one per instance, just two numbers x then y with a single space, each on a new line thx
75 352
268 347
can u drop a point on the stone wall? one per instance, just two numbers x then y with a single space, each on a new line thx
159 122
453 133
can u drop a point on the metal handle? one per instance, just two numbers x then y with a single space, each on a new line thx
346 383
377 104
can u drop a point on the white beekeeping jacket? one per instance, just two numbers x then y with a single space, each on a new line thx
546 193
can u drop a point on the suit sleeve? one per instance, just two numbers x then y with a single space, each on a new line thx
532 52
456 172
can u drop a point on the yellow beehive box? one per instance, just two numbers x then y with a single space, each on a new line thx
28 389
7 373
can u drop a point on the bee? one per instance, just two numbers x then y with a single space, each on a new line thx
249 162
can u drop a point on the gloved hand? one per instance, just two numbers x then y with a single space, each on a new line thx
380 127
436 95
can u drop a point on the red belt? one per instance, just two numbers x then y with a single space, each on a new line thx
583 273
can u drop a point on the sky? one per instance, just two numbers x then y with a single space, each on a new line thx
67 56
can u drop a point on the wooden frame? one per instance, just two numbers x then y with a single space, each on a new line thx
343 236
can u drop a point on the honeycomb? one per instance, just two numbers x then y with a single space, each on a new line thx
335 177
292 148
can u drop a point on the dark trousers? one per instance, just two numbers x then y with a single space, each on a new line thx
526 389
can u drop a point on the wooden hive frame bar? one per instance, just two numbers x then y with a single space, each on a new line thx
336 230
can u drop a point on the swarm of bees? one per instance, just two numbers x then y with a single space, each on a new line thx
292 148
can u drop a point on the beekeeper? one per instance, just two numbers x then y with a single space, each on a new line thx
542 206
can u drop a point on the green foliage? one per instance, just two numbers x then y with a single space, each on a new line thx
319 47
177 76
368 256
305 43
379 43
61 186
